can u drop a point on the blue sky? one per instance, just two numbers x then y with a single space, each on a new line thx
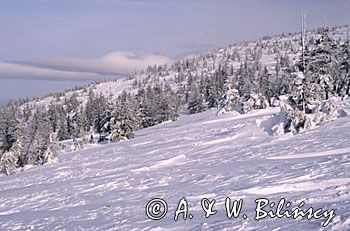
37 30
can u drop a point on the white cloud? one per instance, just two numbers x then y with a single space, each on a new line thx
14 70
115 63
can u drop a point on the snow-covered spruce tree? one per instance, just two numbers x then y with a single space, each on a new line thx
62 132
155 95
195 104
79 124
254 101
41 144
309 104
72 102
70 125
241 80
8 162
26 112
100 106
124 123
8 128
306 90
106 116
210 91
144 110
320 65
50 153
95 113
290 119
9 158
78 130
181 95
53 115
211 86
292 116
253 85
265 87
168 105
230 101
343 58
281 84
37 138
90 111
336 72
251 96
301 83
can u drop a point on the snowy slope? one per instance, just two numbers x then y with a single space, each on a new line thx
271 47
107 187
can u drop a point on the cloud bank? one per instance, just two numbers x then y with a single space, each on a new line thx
114 64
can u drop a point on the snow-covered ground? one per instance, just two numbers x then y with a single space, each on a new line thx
107 187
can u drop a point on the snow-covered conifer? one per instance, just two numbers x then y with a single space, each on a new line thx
230 102
195 105
51 152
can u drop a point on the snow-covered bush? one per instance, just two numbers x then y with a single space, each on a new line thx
327 111
254 101
121 131
196 106
230 101
8 162
77 144
292 120
51 153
